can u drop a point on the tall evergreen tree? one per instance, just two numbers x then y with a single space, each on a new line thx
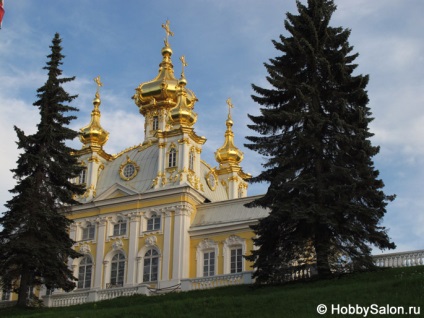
324 194
34 242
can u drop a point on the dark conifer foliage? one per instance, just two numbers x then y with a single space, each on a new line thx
34 242
324 194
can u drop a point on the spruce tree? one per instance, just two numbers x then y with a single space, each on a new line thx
325 198
34 241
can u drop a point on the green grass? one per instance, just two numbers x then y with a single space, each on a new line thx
394 287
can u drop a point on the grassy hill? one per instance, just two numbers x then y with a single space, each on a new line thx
394 287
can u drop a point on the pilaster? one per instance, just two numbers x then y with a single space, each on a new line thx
134 219
101 238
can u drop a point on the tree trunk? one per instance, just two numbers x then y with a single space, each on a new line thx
23 287
322 247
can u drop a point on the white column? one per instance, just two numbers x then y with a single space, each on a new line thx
138 270
132 248
101 237
180 266
166 253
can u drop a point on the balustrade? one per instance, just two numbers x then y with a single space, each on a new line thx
403 259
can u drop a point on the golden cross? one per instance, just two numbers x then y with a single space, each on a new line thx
230 105
184 63
167 31
99 84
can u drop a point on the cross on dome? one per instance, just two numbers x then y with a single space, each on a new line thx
167 31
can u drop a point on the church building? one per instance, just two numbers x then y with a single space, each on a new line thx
156 213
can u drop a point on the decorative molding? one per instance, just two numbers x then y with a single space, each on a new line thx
151 241
126 164
85 249
118 244
207 243
101 221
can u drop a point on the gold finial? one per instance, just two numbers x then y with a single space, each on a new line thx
184 63
230 105
99 84
167 31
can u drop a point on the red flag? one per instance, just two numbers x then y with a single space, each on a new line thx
1 12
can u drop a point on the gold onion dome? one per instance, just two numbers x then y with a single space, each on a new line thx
93 134
163 89
183 113
229 153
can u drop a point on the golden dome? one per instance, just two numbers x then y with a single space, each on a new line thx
229 153
162 91
183 113
93 134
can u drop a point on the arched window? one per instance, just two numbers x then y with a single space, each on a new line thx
84 272
120 228
191 160
117 270
172 158
151 266
88 232
153 223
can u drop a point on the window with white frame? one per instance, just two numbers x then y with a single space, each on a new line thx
120 228
209 263
85 271
207 258
155 123
88 232
153 223
234 249
117 270
236 260
172 158
151 266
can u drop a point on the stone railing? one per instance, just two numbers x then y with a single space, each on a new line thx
216 281
81 297
402 259
66 299
111 293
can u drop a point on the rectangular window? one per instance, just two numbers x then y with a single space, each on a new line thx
236 260
88 232
209 264
83 175
172 158
120 228
155 123
153 223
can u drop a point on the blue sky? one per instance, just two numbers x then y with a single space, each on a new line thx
225 43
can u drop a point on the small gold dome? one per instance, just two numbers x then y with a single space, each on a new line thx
93 134
183 113
229 153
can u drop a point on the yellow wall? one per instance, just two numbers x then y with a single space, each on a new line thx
220 238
